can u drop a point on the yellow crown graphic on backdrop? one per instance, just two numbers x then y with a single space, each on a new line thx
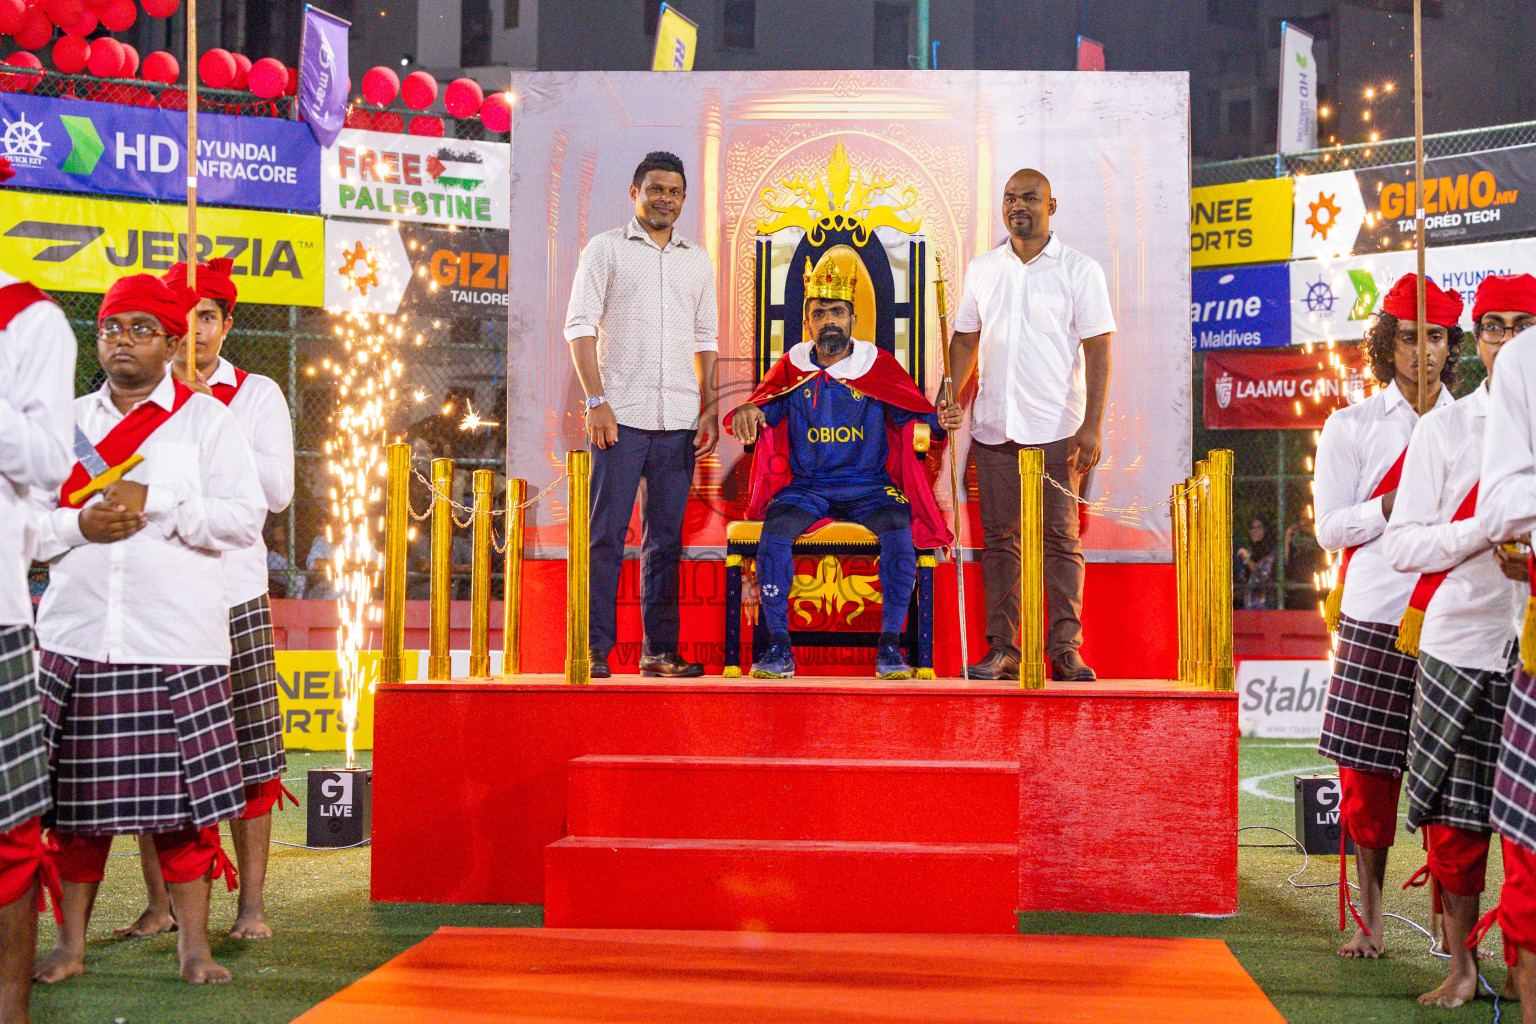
835 276
844 199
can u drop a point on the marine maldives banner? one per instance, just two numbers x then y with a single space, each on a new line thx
1466 199
1290 390
426 180
1241 307
65 145
379 268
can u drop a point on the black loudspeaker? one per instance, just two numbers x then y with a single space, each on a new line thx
340 807
1317 813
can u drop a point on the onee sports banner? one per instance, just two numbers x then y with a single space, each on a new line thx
1289 390
380 268
78 244
382 176
1241 307
75 146
309 693
1247 222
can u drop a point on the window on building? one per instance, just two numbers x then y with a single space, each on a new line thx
509 14
738 22
892 24
475 34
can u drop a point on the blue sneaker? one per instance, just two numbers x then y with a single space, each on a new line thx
891 663
777 662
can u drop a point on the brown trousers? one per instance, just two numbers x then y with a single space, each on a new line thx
997 477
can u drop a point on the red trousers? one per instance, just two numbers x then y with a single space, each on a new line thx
260 796
185 856
1368 808
1458 858
23 862
1516 912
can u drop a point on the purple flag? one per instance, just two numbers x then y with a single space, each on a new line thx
323 74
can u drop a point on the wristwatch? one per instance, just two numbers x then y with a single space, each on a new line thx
593 401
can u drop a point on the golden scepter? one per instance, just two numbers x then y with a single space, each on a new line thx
947 393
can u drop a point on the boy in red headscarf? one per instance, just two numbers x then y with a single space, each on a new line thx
134 630
1359 462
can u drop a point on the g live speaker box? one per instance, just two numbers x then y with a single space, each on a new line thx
1317 813
340 807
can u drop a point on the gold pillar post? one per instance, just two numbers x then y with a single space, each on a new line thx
578 580
1222 673
442 567
1199 576
480 578
1179 508
512 581
397 522
1031 569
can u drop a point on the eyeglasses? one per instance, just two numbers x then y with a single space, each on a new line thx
1496 331
139 333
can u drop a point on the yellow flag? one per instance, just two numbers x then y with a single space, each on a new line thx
676 40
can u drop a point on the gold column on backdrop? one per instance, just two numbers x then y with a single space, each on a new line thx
397 523
442 568
1032 569
1180 510
512 581
1202 535
1222 673
480 577
1199 538
578 582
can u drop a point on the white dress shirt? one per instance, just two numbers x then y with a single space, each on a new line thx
37 425
158 597
1470 619
1033 318
650 309
1506 502
262 413
1359 444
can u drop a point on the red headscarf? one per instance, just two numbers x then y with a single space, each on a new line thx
7 172
1440 306
146 293
1511 292
214 280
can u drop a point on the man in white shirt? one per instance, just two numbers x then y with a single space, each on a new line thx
1461 624
259 408
1035 322
1506 508
134 627
643 332
37 382
1370 696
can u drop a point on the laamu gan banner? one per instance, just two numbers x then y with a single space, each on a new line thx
67 145
81 244
1245 222
1286 390
1241 307
382 176
379 268
1467 198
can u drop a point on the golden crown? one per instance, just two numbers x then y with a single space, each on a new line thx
835 276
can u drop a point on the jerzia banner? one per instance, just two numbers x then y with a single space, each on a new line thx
379 268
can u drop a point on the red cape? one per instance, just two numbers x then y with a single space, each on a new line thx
885 381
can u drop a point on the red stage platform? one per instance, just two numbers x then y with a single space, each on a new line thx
812 805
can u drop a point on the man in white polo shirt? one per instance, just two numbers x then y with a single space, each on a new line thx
1036 312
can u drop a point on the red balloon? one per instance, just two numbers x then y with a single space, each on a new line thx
130 62
119 15
106 60
35 31
18 81
463 97
418 90
291 87
83 25
267 78
63 12
161 67
242 72
425 124
13 14
96 5
496 112
159 8
380 85
216 68
70 54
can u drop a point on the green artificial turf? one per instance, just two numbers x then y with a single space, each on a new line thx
329 934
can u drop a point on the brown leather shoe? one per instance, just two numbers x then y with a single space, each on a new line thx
998 664
1071 668
669 666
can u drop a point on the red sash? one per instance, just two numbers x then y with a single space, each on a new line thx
1412 626
226 392
1335 601
14 298
125 438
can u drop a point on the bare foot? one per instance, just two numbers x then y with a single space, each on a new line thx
1362 947
151 922
58 964
202 970
1456 990
251 924
1509 993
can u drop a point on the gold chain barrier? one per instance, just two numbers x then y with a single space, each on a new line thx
396 526
1202 537
578 580
438 664
483 481
512 581
1032 569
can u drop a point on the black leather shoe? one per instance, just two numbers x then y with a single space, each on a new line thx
598 666
1071 668
670 666
998 664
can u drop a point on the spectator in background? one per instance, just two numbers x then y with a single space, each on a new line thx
1305 562
441 433
320 586
1253 568
281 580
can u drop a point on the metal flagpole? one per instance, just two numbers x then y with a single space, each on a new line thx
1418 194
948 394
191 67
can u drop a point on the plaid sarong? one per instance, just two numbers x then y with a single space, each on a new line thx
253 692
1453 744
1370 699
139 748
1514 787
23 760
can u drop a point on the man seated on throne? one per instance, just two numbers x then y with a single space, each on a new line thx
833 422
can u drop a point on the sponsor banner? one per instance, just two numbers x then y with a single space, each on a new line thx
1282 699
1466 199
677 39
309 694
81 244
1245 222
1241 307
1332 300
1280 390
323 81
382 176
1297 122
378 268
75 146
1090 54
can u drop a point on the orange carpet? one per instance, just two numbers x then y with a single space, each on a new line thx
578 976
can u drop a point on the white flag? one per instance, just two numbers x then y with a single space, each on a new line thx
1298 92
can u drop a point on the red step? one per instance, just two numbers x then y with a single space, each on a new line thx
794 799
781 886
